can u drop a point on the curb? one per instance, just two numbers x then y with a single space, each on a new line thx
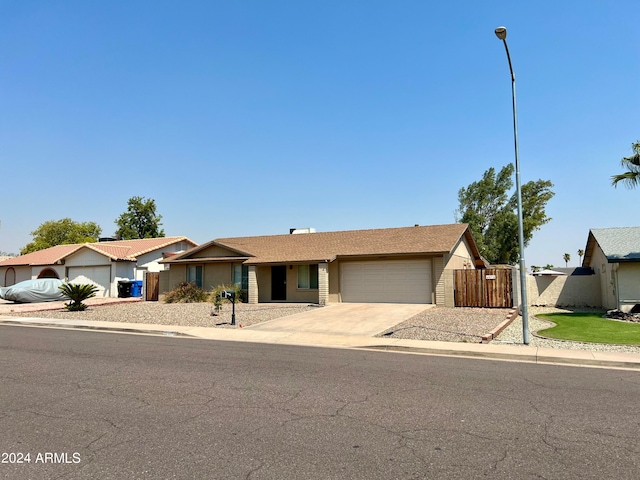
167 333
531 358
511 316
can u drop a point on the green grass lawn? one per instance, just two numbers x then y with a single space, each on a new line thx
590 327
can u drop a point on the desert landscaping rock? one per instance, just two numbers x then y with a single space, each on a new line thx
449 324
183 314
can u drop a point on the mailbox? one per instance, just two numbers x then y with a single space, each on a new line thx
231 295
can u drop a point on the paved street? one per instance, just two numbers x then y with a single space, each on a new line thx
128 406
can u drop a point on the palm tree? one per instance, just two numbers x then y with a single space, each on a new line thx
77 293
580 254
631 178
566 257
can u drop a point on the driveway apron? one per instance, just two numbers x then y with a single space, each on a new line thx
363 319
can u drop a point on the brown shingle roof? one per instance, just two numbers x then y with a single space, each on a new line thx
127 250
326 246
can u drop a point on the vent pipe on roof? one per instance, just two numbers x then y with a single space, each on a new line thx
295 231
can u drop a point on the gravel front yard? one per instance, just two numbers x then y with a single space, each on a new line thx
184 314
449 324
438 323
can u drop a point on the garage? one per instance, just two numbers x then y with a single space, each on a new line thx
389 281
96 275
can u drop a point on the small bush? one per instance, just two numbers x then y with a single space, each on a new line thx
186 293
214 296
77 293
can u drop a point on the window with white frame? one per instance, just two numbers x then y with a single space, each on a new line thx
308 277
194 275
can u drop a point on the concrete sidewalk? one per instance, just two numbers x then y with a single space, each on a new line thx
486 351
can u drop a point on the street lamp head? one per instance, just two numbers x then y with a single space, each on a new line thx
501 33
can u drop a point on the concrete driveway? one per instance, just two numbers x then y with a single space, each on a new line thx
362 319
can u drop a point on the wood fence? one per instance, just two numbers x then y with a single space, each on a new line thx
483 288
152 286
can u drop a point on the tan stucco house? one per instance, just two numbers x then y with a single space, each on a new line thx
614 255
103 264
395 265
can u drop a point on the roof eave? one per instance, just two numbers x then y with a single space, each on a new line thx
204 260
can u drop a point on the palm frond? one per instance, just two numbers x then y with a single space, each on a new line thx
77 293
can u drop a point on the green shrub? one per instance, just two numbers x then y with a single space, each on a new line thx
186 293
77 293
214 296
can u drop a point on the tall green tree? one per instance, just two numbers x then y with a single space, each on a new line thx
62 232
489 206
630 178
140 220
566 257
580 254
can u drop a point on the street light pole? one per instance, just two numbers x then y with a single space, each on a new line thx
501 33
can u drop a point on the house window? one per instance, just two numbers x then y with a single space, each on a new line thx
241 276
48 273
194 275
308 277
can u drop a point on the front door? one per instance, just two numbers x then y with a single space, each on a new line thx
279 282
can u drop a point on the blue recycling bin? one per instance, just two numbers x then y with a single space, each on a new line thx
136 288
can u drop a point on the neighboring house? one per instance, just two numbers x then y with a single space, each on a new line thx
102 263
395 265
614 255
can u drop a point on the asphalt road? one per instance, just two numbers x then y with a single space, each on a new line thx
103 405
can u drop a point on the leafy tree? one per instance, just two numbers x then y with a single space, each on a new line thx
580 254
62 232
492 213
631 178
566 257
548 266
140 220
535 268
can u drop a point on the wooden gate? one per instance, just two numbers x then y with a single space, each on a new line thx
491 287
152 286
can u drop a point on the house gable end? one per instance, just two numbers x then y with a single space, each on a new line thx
85 257
215 251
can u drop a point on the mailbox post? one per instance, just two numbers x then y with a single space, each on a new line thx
231 295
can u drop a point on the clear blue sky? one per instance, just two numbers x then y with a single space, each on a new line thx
252 117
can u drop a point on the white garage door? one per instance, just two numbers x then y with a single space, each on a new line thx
391 281
99 276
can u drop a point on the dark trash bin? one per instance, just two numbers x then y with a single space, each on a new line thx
136 288
124 288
